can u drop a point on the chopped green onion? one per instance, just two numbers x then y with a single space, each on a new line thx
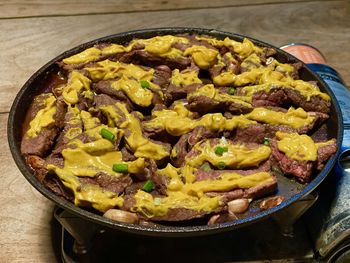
221 165
148 186
206 167
157 201
220 150
107 134
144 84
231 91
120 167
266 141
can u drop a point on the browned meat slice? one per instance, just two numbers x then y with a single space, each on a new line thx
40 144
324 153
252 133
145 58
301 170
267 52
43 141
204 104
257 132
107 182
199 133
162 75
173 214
253 192
286 97
104 87
230 64
187 141
213 174
180 214
174 92
181 150
50 181
276 97
315 103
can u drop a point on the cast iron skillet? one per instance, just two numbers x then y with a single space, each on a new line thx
288 188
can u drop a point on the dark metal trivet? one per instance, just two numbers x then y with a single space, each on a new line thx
277 239
295 234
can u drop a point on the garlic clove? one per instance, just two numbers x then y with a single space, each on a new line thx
122 216
238 205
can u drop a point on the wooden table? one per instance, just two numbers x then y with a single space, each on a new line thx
32 32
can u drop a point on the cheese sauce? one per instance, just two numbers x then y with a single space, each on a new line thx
88 153
45 116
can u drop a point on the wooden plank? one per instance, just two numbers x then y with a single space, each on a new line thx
13 8
21 39
27 44
25 214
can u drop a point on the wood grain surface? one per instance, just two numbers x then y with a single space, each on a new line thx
26 44
31 8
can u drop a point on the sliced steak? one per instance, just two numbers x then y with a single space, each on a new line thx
180 214
174 92
301 170
204 104
315 103
252 133
43 141
286 97
324 153
199 133
162 75
275 97
145 58
108 182
187 141
181 150
40 144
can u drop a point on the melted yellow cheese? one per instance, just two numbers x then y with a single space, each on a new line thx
115 49
44 117
93 53
243 49
137 143
178 124
253 61
76 82
100 199
89 159
162 45
227 181
237 155
84 56
228 78
322 144
211 92
296 146
132 88
173 174
275 80
203 57
146 204
184 78
107 69
192 195
295 118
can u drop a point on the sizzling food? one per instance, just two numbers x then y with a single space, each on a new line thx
173 128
